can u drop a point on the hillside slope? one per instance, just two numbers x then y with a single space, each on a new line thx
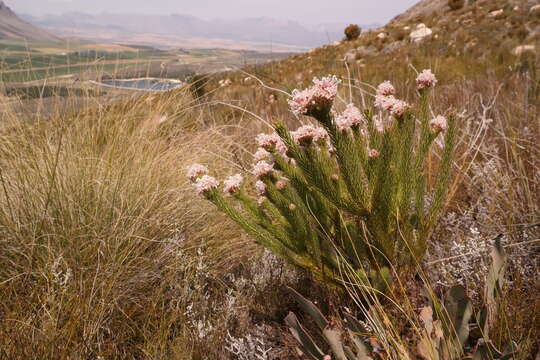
421 8
12 27
487 34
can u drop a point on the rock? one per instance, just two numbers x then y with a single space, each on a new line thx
225 82
470 45
390 48
519 50
421 32
365 51
351 56
535 9
496 13
534 34
382 36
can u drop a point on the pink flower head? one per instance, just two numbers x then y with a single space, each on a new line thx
196 170
260 187
398 108
262 155
262 168
349 118
425 79
307 134
386 89
232 184
438 124
272 142
318 97
281 184
327 87
327 357
384 102
389 103
372 153
205 184
321 135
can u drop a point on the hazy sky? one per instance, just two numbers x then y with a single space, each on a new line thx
305 11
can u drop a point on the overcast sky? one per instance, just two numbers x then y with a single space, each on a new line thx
305 11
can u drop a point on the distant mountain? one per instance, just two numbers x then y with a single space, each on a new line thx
261 29
12 27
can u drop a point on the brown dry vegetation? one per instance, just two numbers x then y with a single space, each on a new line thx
107 253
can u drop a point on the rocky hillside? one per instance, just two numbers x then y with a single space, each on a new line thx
482 35
423 7
12 27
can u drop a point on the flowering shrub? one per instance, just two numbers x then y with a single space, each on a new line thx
352 187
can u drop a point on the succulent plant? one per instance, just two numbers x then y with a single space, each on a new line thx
444 334
346 344
447 337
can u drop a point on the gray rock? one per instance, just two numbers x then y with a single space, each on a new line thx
390 48
351 56
519 50
365 51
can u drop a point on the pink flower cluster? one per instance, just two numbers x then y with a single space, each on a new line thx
272 142
386 89
372 153
262 168
425 79
196 170
352 116
307 134
398 108
205 184
260 187
281 184
232 184
389 103
320 96
385 100
262 155
438 124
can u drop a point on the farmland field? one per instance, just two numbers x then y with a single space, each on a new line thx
24 62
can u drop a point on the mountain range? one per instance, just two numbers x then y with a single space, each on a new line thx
13 27
260 30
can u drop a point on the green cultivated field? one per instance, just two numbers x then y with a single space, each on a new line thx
23 62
